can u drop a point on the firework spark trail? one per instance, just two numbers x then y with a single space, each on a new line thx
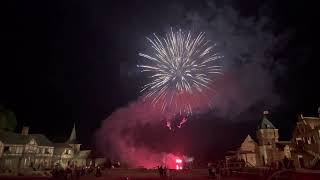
181 70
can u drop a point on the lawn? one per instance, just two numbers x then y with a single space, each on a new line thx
142 174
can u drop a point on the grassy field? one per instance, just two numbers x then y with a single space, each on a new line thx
143 174
196 174
135 174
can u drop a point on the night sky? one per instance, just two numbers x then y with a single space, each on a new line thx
75 61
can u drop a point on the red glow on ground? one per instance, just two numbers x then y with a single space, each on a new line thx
178 164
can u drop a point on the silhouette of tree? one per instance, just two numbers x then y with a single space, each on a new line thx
8 120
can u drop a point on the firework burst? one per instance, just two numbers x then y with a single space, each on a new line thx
181 68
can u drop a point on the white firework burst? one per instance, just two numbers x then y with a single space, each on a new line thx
180 63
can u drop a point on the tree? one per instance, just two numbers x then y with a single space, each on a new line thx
8 120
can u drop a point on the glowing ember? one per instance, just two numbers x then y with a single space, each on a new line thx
178 164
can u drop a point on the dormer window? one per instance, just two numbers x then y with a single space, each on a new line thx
31 147
67 151
32 142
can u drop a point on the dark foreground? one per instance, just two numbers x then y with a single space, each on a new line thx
201 174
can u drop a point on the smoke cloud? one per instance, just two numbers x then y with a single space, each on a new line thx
249 46
122 130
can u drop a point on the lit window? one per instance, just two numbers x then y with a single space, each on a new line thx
19 150
32 142
68 151
13 149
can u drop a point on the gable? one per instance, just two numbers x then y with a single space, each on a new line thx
248 144
32 142
313 122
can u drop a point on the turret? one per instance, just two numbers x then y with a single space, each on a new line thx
72 141
267 133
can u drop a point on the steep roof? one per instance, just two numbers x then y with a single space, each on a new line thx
59 148
73 136
83 154
248 139
265 123
42 140
61 145
17 138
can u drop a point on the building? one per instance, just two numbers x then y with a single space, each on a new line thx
23 150
266 150
270 148
306 142
248 151
69 152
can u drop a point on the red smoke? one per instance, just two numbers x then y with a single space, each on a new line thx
119 134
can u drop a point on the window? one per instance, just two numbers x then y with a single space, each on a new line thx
6 149
19 150
32 142
8 162
309 140
32 147
313 140
13 149
67 151
46 151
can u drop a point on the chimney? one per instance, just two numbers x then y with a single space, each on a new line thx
25 130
